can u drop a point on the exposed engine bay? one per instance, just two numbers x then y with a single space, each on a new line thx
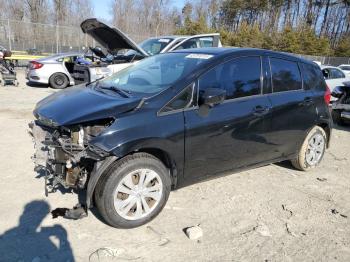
64 155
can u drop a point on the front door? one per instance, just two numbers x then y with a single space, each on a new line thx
232 134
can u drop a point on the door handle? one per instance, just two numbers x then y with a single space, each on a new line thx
260 110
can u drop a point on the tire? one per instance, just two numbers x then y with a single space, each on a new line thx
309 148
112 204
59 81
336 117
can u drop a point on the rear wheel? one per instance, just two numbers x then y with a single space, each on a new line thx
59 81
133 191
312 150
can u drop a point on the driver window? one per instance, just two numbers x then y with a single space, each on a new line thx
191 43
240 77
335 73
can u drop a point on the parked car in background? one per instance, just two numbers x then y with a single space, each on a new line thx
2 49
345 68
124 51
334 76
177 118
33 51
54 70
341 106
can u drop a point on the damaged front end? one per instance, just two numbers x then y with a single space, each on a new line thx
64 155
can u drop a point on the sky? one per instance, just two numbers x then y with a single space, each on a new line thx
102 7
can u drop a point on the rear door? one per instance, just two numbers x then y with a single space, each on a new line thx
232 134
293 110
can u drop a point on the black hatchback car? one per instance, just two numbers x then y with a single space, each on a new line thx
173 119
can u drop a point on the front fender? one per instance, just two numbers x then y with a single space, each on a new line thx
99 168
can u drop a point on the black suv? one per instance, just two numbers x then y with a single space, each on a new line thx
173 119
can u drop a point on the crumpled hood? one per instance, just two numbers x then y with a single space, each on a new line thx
81 104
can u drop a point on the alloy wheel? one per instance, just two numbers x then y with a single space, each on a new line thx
315 149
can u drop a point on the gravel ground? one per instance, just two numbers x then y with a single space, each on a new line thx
273 213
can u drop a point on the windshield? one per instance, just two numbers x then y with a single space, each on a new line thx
152 46
345 67
154 74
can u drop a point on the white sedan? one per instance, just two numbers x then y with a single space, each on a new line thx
345 68
334 76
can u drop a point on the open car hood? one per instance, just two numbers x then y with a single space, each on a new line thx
110 38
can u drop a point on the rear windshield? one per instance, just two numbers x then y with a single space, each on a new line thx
156 73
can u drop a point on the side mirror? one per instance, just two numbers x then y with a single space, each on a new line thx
213 96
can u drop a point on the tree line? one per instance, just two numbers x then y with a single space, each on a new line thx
32 23
314 27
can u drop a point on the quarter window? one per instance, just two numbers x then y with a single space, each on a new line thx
240 77
181 101
312 77
285 75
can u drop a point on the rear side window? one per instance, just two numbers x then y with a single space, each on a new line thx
240 77
312 77
285 75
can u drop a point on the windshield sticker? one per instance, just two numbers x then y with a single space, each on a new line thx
164 40
199 56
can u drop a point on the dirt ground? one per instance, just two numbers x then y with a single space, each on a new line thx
273 213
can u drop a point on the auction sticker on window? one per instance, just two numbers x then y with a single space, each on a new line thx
199 56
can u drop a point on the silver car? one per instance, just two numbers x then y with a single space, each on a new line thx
54 70
334 76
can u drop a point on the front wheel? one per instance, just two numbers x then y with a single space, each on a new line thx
133 191
312 150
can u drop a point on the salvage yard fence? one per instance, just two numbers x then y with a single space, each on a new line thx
45 38
52 38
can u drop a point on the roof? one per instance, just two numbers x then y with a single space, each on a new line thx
182 36
328 66
224 51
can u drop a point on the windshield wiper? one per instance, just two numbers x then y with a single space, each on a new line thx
116 89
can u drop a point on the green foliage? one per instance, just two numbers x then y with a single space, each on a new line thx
343 48
289 41
194 27
301 40
247 36
303 27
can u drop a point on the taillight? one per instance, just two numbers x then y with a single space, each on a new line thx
327 95
36 65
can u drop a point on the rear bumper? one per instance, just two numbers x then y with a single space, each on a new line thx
36 77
